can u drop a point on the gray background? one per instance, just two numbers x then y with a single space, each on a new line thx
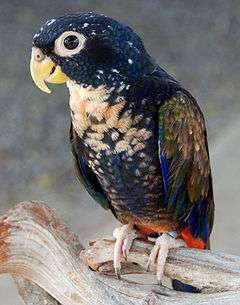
198 42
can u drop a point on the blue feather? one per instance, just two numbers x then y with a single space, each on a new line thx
179 286
174 196
204 222
193 221
198 221
83 165
164 168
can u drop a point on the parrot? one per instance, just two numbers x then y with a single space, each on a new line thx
137 136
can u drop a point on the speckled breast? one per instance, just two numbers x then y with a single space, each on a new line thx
119 141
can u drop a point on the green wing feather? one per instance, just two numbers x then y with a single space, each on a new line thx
86 175
185 165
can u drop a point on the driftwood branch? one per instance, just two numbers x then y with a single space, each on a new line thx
36 246
32 294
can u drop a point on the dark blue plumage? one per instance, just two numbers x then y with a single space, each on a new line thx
111 47
198 220
165 171
138 137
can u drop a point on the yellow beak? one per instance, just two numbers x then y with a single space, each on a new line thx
43 69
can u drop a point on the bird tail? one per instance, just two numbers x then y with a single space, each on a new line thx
192 243
179 286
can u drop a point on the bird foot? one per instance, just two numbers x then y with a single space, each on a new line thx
160 251
125 236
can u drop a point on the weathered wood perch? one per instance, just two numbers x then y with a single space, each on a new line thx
36 246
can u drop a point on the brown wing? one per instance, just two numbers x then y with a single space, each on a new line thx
185 165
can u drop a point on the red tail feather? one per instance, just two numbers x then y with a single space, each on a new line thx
191 241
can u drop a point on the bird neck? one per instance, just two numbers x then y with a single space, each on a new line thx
99 95
91 106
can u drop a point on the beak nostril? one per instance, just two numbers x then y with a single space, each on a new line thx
38 55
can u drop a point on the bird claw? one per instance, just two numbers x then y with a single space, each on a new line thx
160 251
149 264
125 252
125 236
118 272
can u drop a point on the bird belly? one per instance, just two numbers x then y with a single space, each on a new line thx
134 189
120 146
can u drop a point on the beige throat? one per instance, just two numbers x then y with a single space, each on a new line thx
93 117
87 103
89 93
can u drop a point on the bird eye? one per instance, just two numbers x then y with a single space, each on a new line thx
69 43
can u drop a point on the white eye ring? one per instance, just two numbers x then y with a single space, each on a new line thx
60 48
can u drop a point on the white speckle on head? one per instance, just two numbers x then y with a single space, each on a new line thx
51 21
143 102
111 89
115 71
127 87
121 88
93 33
130 43
36 35
100 71
130 61
85 25
110 27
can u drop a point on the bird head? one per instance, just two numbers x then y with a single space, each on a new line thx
88 49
